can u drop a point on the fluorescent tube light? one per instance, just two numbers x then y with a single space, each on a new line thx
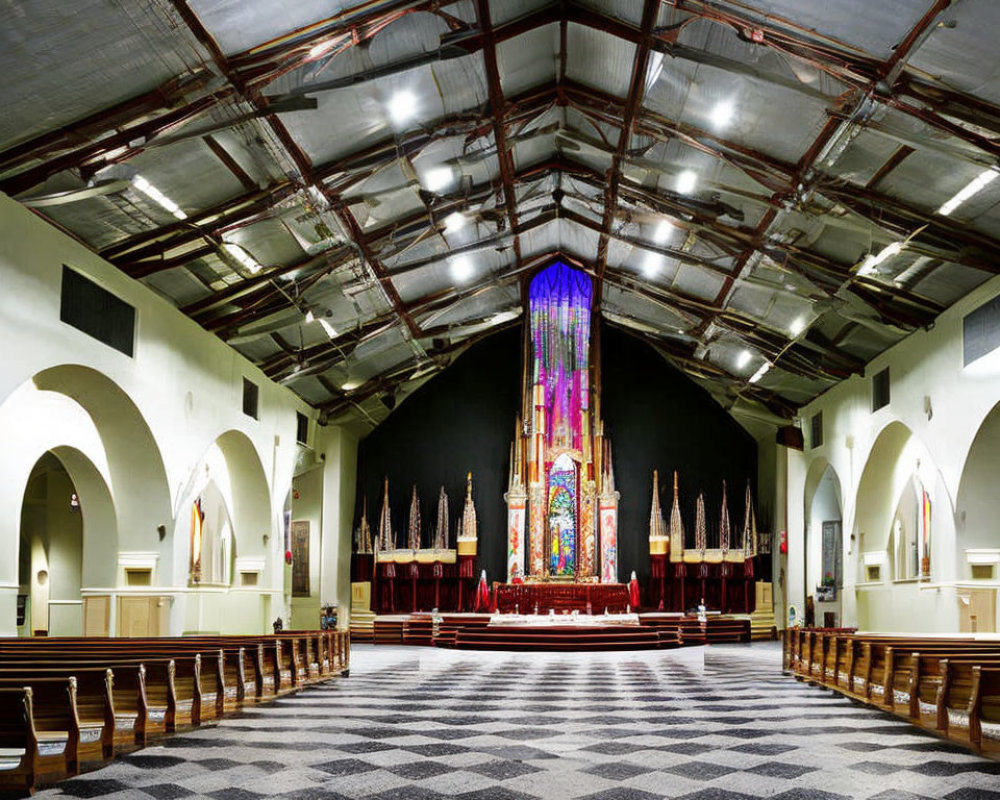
974 187
157 196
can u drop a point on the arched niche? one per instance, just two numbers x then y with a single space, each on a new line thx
977 538
228 481
825 540
68 540
899 485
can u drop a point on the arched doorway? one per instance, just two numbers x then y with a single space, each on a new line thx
68 540
224 544
977 542
903 517
824 568
95 430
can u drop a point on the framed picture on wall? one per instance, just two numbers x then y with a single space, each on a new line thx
833 557
300 558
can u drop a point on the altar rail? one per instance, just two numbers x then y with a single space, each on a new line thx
949 685
583 597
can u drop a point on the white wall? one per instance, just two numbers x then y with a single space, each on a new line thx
144 425
875 454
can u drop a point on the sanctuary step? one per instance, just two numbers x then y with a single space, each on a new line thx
418 629
762 624
389 629
559 631
521 637
362 625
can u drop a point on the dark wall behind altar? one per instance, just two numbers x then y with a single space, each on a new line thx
464 420
461 420
657 418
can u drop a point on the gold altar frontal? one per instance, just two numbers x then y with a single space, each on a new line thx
541 597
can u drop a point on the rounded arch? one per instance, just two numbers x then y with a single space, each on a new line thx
68 538
900 492
882 481
978 501
233 468
135 463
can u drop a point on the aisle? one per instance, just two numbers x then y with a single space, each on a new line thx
701 723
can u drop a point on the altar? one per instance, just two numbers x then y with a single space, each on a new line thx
543 597
573 620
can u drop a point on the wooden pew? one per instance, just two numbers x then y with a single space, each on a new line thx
49 707
93 715
28 765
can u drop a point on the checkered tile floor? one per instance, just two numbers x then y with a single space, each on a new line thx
717 723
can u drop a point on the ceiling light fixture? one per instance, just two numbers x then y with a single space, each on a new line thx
157 196
322 48
761 372
655 69
242 256
722 114
455 221
328 328
651 264
686 181
872 261
974 187
798 325
402 107
461 268
664 232
350 386
310 317
743 359
438 178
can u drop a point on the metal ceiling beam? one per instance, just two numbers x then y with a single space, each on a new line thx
295 152
505 156
633 100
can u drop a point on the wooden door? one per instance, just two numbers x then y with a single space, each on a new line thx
979 615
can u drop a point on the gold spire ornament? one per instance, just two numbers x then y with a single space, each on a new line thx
676 526
386 538
470 527
364 531
700 538
441 531
413 529
724 526
749 527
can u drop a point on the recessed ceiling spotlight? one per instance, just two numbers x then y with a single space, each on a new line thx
455 221
461 268
350 386
722 114
438 178
686 181
664 232
310 317
743 359
402 107
798 325
651 264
